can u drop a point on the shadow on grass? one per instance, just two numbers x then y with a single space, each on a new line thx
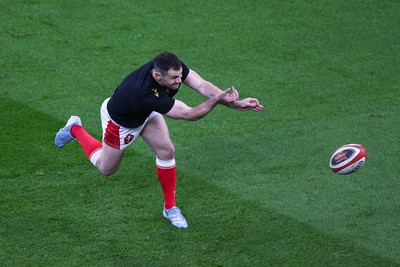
27 138
55 211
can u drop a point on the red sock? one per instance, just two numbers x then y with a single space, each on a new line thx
88 143
166 171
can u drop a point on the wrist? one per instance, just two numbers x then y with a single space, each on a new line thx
234 104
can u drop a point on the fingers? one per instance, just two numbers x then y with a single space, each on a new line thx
235 92
232 93
253 104
258 108
257 105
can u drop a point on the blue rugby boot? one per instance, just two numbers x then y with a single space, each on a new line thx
64 135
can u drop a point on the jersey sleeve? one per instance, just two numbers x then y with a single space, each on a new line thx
165 105
185 71
160 101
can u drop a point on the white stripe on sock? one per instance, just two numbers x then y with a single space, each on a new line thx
95 156
165 163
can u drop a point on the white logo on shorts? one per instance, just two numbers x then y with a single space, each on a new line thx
128 138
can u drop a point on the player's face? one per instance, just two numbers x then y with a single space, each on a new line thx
172 79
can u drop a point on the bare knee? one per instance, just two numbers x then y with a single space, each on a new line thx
107 172
109 160
171 151
166 153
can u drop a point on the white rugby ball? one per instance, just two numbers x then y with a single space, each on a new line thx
348 159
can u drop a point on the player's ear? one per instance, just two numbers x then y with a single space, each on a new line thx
157 75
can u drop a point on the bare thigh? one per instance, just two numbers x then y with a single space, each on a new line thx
157 136
109 160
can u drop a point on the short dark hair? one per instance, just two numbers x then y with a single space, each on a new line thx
165 61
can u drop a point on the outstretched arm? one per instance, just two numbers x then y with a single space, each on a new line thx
182 111
209 90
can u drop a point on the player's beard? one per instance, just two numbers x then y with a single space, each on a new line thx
175 86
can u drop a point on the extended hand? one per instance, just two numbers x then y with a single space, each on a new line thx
248 104
228 96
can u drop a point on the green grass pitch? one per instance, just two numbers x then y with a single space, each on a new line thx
255 188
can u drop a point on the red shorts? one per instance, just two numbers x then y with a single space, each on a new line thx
116 135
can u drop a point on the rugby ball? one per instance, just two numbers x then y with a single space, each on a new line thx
348 159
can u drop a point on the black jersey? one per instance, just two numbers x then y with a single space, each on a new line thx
138 95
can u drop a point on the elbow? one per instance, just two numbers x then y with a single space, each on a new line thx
194 119
192 115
